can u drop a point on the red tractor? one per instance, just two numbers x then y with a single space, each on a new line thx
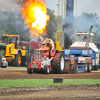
46 59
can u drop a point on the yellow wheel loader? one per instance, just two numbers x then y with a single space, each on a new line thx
14 51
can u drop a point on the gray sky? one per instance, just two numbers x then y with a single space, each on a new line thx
8 4
90 6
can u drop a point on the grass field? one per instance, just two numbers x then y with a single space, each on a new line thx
45 82
20 68
14 68
41 82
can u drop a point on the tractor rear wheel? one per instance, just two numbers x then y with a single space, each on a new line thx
17 60
58 63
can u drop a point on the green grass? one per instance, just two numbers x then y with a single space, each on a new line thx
14 68
45 82
98 70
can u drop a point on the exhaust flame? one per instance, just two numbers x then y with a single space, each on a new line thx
34 12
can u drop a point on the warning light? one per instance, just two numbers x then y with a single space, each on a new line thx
87 31
83 32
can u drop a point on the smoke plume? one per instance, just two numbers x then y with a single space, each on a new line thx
8 4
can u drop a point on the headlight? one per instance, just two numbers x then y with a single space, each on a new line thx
84 51
90 51
67 51
3 59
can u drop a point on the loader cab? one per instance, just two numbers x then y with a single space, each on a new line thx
80 36
14 39
8 39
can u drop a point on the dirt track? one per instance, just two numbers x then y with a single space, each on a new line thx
22 74
92 93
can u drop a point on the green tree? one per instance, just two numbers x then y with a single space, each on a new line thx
13 23
86 20
51 25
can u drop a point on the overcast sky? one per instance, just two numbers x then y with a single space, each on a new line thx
90 6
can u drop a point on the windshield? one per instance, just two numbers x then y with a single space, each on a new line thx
81 38
10 39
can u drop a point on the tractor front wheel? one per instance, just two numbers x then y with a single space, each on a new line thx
30 71
17 60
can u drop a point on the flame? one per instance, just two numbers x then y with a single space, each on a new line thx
34 13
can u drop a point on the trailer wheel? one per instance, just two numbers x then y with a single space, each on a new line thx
95 67
89 68
46 69
58 63
17 60
85 68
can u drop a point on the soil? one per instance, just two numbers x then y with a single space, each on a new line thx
73 92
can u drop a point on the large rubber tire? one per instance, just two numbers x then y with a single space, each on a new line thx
10 64
35 70
89 67
58 63
46 69
3 66
24 62
86 67
95 67
99 66
17 60
30 71
24 59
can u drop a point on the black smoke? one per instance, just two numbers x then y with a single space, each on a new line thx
69 27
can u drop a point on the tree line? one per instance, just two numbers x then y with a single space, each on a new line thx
11 22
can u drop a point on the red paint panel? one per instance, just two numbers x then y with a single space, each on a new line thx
37 45
49 67
88 60
47 53
53 53
39 66
29 65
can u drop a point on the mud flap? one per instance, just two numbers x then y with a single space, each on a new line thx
67 64
71 65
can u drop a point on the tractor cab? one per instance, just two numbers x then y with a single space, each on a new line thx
83 36
84 41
